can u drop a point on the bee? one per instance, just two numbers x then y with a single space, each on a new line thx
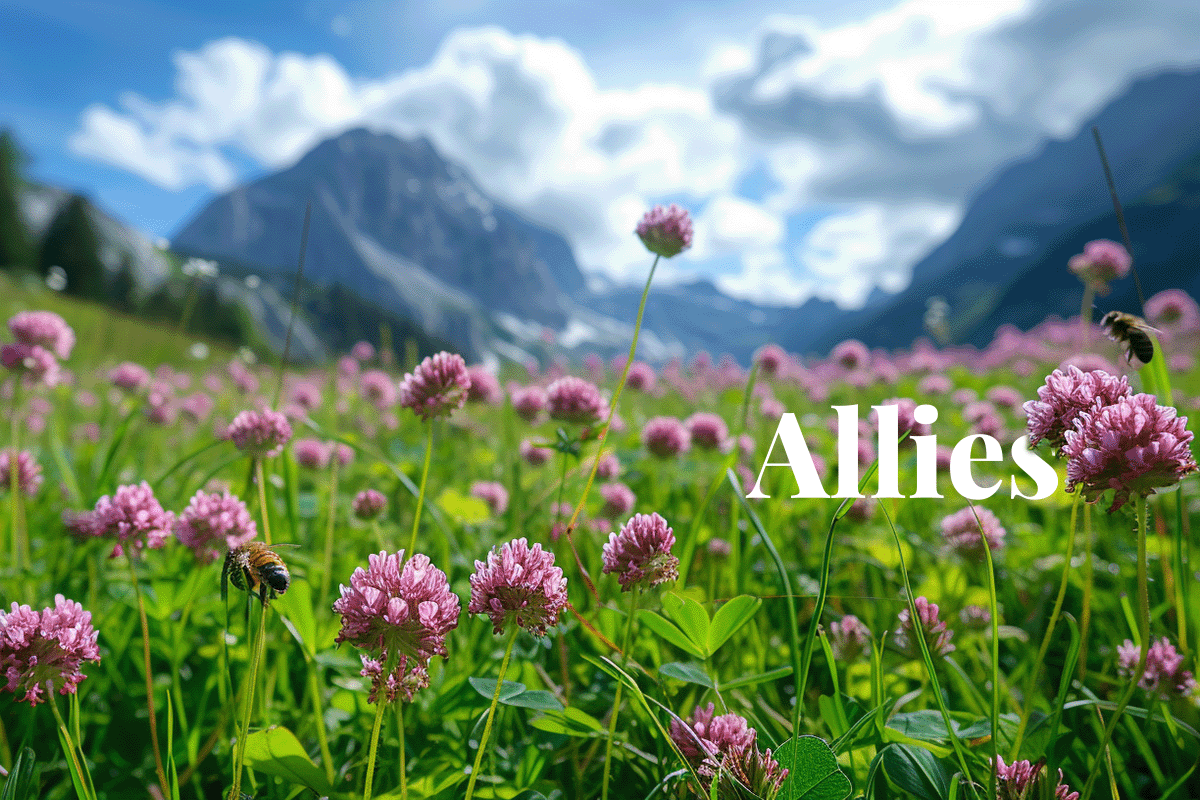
253 568
1133 331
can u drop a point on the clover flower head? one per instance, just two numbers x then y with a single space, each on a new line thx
725 749
574 400
618 500
29 472
398 607
260 433
771 358
1021 779
528 402
1064 396
666 437
666 231
437 386
534 454
312 453
519 584
640 554
129 376
484 386
377 388
368 504
214 523
708 431
407 678
1164 674
1133 446
36 365
41 651
937 637
962 531
1101 261
131 515
492 493
848 638
43 329
641 377
850 355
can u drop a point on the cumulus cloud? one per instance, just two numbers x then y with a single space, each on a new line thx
900 116
893 119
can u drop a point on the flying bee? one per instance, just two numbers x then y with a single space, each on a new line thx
254 567
1133 332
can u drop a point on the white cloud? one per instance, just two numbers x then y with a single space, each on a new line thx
872 245
894 118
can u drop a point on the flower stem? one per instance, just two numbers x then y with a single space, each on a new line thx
244 733
403 769
1041 655
412 542
20 541
158 762
612 411
260 478
322 738
487 726
326 576
612 722
1089 579
71 747
1143 643
380 705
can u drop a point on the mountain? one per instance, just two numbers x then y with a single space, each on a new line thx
396 226
394 223
1006 262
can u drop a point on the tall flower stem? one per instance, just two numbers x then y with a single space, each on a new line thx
19 540
244 731
326 576
412 542
403 768
491 714
1143 644
71 747
612 721
381 705
261 478
322 738
612 411
1031 685
1085 313
379 708
158 762
1089 580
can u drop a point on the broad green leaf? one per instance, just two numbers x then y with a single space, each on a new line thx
729 618
692 619
20 784
569 722
667 631
688 673
487 687
916 771
276 751
537 699
813 772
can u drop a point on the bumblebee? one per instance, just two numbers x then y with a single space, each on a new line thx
1133 332
254 568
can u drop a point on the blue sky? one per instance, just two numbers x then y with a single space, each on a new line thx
823 148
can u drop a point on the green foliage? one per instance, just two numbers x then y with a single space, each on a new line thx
72 243
16 243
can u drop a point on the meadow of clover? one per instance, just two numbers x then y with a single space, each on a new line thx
220 579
